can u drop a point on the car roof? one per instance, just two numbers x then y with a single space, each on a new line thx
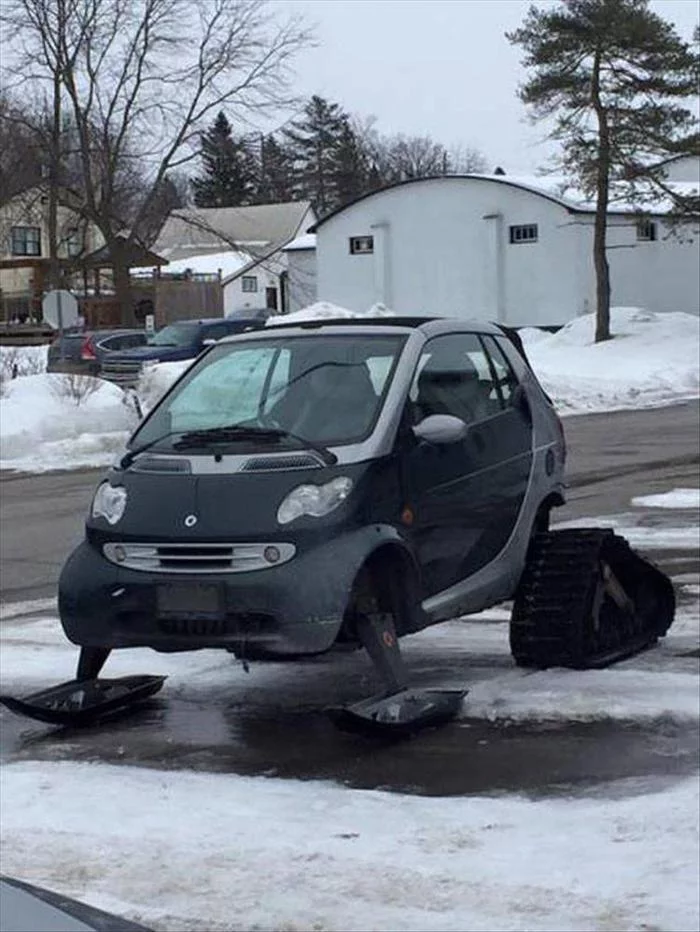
428 325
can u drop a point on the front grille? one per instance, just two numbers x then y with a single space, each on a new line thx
198 558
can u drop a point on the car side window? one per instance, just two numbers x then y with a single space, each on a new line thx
454 377
506 379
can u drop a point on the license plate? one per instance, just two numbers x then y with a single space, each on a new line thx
191 600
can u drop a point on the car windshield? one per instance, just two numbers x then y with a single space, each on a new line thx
323 389
174 335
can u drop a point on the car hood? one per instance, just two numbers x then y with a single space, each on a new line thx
235 506
143 353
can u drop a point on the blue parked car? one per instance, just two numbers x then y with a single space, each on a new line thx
184 339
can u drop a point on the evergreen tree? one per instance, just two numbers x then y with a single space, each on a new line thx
313 142
350 173
229 171
276 177
615 79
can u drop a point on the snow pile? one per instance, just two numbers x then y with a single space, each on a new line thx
324 310
652 360
156 379
54 421
676 498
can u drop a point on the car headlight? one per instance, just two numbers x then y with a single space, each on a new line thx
109 502
314 500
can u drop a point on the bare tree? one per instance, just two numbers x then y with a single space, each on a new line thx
140 78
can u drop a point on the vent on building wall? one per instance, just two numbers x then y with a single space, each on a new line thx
525 233
361 245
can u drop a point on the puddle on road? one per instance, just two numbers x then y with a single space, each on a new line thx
463 758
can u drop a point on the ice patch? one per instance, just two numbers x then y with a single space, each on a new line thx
677 498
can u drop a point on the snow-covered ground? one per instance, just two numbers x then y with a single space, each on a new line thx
652 360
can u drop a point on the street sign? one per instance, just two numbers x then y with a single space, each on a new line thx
150 323
59 309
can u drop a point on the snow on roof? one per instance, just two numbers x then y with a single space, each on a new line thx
228 263
306 241
553 187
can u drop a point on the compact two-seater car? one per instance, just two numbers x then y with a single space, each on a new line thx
349 482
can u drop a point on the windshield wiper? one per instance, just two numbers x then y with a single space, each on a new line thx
131 455
232 433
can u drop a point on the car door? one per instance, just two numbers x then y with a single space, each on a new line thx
464 497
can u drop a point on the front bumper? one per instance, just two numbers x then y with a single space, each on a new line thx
293 608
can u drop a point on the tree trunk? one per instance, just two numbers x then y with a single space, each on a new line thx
600 258
122 283
54 181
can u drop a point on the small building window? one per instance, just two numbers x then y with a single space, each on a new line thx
74 244
249 283
646 231
25 241
361 245
525 233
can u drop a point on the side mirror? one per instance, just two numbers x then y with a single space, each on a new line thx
441 428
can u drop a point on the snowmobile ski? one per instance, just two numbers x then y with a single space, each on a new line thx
84 701
587 600
400 714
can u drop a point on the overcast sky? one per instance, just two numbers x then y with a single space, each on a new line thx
441 67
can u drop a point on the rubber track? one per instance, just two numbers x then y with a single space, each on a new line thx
563 616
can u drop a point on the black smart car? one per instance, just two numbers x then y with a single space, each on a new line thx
335 483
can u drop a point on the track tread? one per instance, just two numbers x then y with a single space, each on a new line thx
554 620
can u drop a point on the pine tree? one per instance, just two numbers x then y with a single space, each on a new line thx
313 142
229 170
276 177
614 78
350 173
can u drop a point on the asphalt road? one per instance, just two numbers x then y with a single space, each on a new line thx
611 457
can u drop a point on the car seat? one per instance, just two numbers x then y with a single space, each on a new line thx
332 401
452 387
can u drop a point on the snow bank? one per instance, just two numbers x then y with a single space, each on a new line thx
676 498
53 421
651 360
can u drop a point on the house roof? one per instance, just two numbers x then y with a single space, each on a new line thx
551 187
259 230
136 257
305 241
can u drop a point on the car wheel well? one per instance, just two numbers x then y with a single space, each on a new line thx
541 522
386 582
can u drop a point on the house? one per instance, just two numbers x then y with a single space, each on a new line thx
244 245
24 248
503 248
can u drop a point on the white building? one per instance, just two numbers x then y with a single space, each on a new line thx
496 247
301 272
